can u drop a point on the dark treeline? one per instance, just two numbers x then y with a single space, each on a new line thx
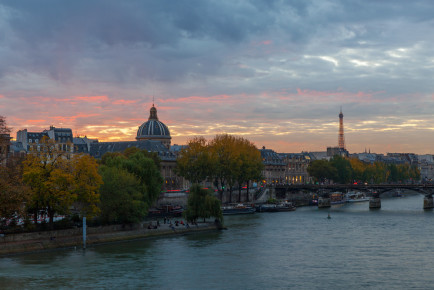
348 170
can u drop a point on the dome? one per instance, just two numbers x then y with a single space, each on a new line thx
153 129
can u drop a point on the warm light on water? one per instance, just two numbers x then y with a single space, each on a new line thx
357 248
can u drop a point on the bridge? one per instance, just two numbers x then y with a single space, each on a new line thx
375 190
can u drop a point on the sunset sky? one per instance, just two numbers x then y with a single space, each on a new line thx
274 72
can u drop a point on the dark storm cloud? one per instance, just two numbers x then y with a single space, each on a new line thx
172 39
274 61
53 32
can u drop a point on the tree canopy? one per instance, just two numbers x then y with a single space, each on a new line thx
202 204
132 183
14 194
58 181
226 160
344 170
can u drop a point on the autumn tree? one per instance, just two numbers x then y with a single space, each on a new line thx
14 194
4 139
57 181
194 161
226 160
250 166
86 185
358 168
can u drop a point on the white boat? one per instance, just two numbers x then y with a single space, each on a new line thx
237 209
353 196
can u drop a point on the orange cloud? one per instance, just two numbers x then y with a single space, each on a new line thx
73 118
35 122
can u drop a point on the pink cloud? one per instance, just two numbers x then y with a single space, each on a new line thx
92 99
263 42
337 96
124 102
200 99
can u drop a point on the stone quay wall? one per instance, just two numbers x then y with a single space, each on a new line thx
38 241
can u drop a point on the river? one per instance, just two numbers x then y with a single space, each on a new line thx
388 248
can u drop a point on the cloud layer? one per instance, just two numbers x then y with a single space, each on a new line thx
275 72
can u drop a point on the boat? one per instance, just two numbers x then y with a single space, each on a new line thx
337 198
353 196
266 208
284 206
237 209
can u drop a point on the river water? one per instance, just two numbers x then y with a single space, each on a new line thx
390 248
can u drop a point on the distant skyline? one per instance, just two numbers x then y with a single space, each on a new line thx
274 72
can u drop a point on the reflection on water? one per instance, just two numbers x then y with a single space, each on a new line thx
357 247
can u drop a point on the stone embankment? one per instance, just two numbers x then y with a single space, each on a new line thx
37 241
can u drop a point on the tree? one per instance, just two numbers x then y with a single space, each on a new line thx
4 139
50 178
194 161
321 170
132 183
14 194
359 168
251 165
57 181
122 196
87 182
201 204
343 169
225 158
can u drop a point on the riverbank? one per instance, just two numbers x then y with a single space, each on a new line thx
38 241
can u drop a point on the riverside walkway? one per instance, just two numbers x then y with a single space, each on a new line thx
37 241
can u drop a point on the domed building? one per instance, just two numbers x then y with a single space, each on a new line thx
153 129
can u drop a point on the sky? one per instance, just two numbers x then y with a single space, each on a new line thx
274 72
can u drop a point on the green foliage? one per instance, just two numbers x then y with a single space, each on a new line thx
132 183
342 170
271 200
122 196
321 170
201 204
